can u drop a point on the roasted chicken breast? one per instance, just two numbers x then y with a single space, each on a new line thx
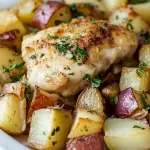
58 58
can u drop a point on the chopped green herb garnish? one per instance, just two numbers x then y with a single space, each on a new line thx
94 22
115 100
1 95
42 55
87 77
145 104
141 69
96 82
139 127
57 129
71 74
80 36
35 30
52 37
16 66
33 57
81 53
44 133
15 79
53 73
87 5
75 12
129 25
117 17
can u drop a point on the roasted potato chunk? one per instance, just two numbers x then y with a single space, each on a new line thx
129 101
111 91
144 55
12 114
11 30
89 142
26 10
130 77
91 99
85 122
113 4
143 10
127 18
41 99
49 128
51 14
8 59
127 134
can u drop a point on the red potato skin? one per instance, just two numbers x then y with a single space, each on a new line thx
127 104
10 35
44 13
40 101
88 142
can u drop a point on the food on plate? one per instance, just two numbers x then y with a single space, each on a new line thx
89 142
41 99
49 128
127 134
113 4
129 101
51 14
12 114
68 68
11 30
137 78
83 40
26 9
143 10
11 65
144 55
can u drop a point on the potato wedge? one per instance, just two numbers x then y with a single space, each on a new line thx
9 58
143 10
144 54
12 114
11 24
129 101
91 100
26 10
89 142
41 99
49 128
51 14
130 78
85 122
113 4
127 134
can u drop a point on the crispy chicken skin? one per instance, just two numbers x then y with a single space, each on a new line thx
58 58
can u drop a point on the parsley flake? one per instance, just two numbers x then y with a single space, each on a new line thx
52 37
139 127
129 25
33 57
87 77
141 69
96 82
35 31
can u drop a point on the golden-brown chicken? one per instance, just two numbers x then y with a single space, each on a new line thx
58 58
